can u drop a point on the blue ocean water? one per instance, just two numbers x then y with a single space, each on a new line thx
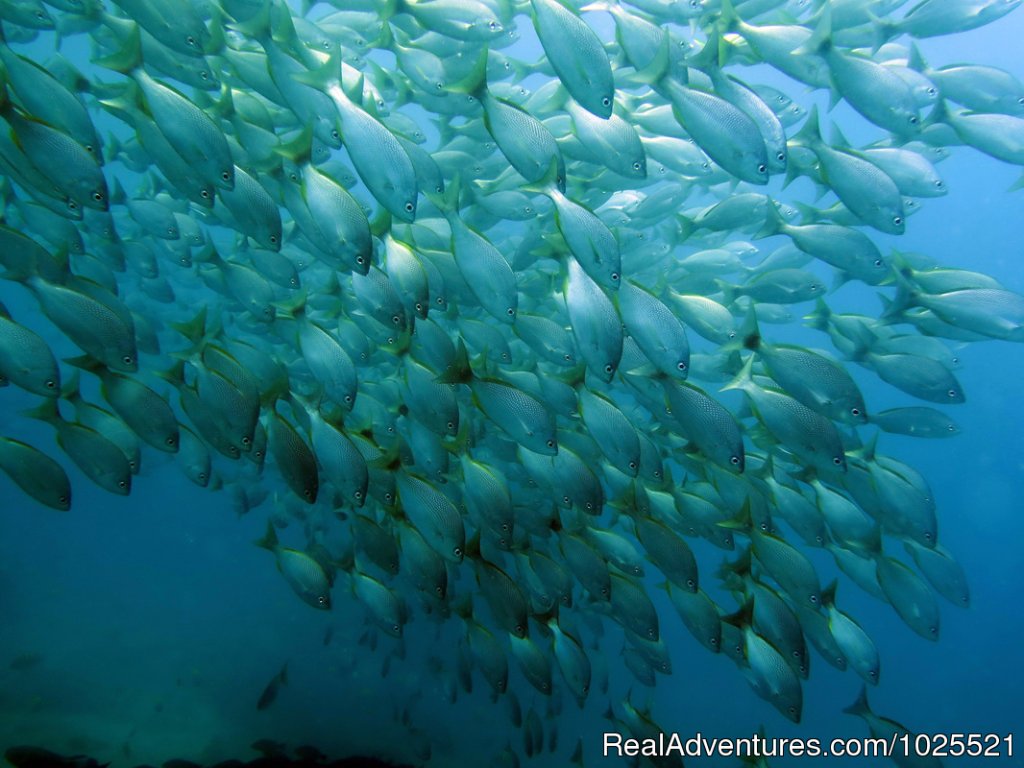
157 623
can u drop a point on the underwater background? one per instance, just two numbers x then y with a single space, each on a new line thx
143 628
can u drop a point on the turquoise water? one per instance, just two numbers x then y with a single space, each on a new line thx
154 624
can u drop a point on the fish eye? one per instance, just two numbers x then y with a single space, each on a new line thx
615 277
72 205
493 25
322 600
510 312
781 157
952 393
204 75
939 184
762 168
914 120
409 207
931 91
450 425
566 500
50 383
637 166
855 411
878 262
389 497
734 460
63 499
609 369
273 239
551 443
837 460
226 176
396 319
128 360
897 220
190 40
606 102
171 441
681 366
814 599
246 440
97 196
205 194
307 493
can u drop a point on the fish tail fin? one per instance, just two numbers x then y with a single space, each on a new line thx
743 617
882 29
326 76
860 707
809 134
86 363
175 374
475 82
1018 184
381 224
729 291
828 594
773 222
128 58
820 41
300 149
47 411
459 370
839 140
659 66
193 330
121 103
915 60
686 227
728 19
744 380
258 25
707 59
750 333
820 317
551 179
117 194
269 540
70 388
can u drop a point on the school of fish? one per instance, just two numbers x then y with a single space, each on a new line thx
483 335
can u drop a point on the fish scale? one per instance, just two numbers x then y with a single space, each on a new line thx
466 377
